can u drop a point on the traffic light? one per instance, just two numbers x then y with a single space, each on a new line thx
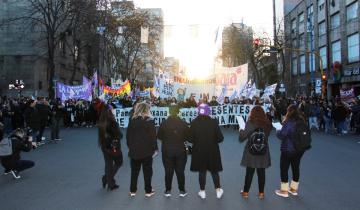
323 77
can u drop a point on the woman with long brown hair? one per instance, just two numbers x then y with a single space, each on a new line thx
289 154
256 154
109 141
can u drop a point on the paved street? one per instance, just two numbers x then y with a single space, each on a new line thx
67 176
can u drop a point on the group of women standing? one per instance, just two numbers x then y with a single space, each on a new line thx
205 134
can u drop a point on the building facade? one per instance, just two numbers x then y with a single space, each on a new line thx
23 54
322 52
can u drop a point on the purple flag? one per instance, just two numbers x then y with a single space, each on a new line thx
95 79
86 80
65 92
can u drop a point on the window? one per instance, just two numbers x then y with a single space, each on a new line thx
301 23
301 41
310 10
351 11
310 20
302 64
294 44
311 62
321 5
336 51
353 47
294 66
293 26
308 43
322 52
322 28
335 21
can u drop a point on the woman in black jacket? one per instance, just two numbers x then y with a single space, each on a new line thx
205 136
20 143
109 142
141 140
173 133
258 124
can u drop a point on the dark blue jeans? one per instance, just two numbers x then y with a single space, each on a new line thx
22 165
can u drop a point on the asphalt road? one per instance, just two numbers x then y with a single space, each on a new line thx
67 176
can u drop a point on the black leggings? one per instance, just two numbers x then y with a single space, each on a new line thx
202 179
249 175
290 159
112 165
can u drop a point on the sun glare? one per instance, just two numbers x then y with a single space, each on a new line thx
195 47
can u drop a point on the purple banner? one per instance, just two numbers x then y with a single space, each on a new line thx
65 92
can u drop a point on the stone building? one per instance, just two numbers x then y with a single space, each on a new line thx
23 55
327 31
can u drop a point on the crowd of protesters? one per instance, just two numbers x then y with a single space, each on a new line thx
35 115
335 117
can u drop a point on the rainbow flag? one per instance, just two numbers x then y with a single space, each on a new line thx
124 89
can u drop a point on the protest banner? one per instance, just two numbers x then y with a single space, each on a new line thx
182 87
224 114
347 95
181 91
233 78
65 92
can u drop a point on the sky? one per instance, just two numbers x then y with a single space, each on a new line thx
191 26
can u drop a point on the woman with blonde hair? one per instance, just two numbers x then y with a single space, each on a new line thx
141 141
256 154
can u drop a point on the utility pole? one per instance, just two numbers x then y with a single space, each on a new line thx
310 31
276 38
327 93
274 22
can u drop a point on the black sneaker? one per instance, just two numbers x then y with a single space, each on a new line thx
15 174
167 193
183 193
7 171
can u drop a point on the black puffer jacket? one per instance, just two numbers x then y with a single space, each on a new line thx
32 118
18 145
141 138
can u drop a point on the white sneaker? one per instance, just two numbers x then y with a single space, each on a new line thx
148 195
202 194
43 138
294 193
281 193
219 193
15 174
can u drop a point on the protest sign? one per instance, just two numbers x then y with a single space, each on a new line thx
347 95
224 114
233 78
65 92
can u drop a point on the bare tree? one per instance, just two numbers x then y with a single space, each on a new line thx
50 18
83 24
126 55
281 42
238 48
